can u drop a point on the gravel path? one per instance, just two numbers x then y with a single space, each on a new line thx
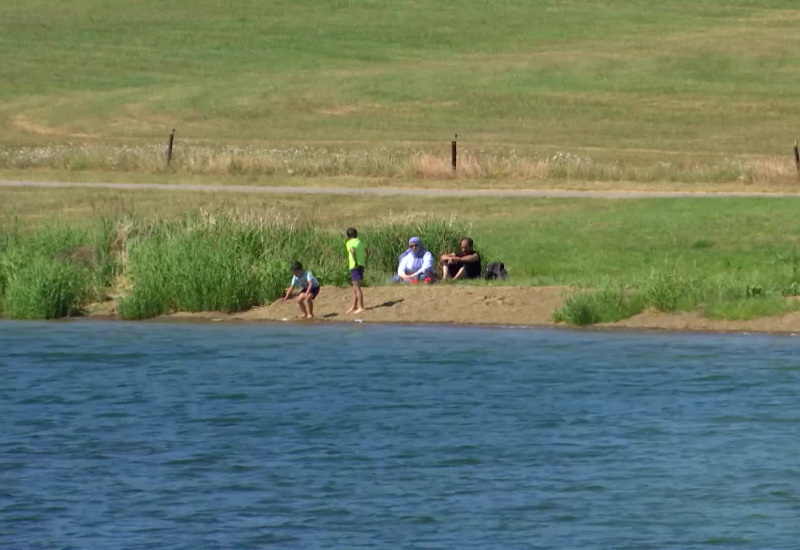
386 191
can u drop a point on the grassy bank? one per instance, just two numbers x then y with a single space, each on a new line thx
570 242
728 298
730 258
52 273
194 263
675 92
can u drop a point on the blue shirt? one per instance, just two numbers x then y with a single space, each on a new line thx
304 280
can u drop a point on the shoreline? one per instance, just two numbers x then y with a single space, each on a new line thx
464 306
213 318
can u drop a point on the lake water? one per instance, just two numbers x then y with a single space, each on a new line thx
147 435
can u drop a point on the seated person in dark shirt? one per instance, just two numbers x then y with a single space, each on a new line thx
464 264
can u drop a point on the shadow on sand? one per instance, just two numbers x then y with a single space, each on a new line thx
390 303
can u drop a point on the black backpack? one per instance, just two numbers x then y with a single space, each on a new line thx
496 270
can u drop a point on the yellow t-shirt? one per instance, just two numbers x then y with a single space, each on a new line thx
357 247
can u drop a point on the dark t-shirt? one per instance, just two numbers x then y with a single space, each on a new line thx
473 269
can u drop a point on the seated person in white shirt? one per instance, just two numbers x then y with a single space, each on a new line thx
416 264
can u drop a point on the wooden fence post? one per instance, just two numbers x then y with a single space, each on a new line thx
169 147
454 153
796 157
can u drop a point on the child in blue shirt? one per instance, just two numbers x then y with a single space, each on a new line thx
309 289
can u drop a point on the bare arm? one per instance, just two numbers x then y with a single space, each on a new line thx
355 258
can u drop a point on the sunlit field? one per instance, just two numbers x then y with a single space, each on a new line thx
633 90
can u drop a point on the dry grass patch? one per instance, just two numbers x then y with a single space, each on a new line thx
402 163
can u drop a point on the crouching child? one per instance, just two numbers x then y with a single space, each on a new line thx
309 289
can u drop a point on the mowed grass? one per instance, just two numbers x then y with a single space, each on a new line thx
615 78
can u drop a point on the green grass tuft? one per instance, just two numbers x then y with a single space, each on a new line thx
716 298
669 292
743 309
53 272
602 306
45 289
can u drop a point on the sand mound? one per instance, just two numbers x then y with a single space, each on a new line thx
440 303
692 321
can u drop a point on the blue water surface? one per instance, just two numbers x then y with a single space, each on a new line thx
147 435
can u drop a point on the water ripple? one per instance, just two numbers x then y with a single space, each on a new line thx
195 436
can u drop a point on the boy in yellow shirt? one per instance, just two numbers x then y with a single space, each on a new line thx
356 258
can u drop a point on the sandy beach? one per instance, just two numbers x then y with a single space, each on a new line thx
468 305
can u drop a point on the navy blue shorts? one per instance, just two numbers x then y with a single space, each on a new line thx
314 292
357 274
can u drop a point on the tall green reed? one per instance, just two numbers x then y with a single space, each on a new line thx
606 305
57 270
45 289
46 275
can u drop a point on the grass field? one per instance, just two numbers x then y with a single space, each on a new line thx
618 90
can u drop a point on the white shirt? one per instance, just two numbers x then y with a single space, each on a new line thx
405 267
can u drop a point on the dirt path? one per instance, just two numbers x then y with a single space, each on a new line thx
383 191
